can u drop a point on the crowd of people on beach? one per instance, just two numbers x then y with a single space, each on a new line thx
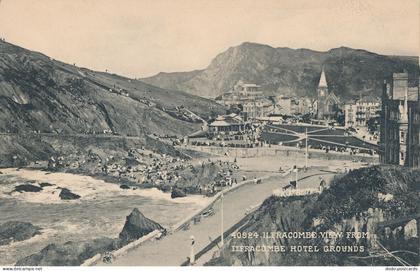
148 168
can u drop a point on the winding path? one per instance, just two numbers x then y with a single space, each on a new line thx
174 249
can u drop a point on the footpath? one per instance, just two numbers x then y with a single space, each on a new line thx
173 249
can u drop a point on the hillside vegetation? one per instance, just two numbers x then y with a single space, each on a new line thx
355 202
38 93
350 72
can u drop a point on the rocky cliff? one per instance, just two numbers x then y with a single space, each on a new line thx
354 203
38 93
73 253
48 108
136 226
350 72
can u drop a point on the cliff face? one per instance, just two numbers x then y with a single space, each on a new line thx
75 253
349 72
136 226
38 93
41 95
274 215
354 203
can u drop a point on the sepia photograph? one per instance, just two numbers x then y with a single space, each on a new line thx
197 133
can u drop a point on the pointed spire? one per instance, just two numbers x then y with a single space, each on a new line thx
322 79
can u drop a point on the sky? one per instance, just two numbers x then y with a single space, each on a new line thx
140 38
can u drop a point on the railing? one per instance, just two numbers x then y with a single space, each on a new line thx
125 249
295 192
393 223
190 218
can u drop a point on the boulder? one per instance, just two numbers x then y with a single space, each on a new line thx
66 194
165 188
124 186
27 188
45 184
177 193
136 226
68 254
17 231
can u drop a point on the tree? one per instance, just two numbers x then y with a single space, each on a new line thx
339 117
372 124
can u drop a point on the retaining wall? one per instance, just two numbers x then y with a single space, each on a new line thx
125 249
283 151
179 225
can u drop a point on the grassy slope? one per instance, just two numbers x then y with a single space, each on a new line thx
38 93
349 196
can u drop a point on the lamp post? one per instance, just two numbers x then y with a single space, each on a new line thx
192 254
307 148
221 214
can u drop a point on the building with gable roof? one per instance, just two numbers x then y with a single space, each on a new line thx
400 122
327 103
249 98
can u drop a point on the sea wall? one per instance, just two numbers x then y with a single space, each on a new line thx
189 218
283 151
125 249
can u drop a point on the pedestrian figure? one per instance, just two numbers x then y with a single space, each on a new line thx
192 256
322 184
107 258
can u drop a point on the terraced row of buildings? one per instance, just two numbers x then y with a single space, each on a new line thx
400 122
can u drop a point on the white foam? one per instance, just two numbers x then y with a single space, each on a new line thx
87 187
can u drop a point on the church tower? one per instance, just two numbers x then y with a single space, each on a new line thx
322 93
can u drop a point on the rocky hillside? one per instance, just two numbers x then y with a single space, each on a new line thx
170 80
38 93
360 200
73 253
349 72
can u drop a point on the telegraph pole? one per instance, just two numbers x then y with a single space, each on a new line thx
192 254
307 149
221 212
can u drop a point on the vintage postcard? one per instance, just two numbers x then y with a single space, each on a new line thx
209 133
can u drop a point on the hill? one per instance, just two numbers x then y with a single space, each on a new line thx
38 93
50 108
354 202
349 72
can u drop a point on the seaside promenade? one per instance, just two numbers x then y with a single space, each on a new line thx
173 249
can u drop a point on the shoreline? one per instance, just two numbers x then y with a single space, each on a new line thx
152 195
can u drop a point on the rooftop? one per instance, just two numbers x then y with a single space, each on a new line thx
227 120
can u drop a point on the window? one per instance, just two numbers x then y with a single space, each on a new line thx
402 136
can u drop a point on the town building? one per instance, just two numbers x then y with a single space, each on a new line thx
304 105
327 103
358 112
400 122
226 124
253 109
284 105
249 98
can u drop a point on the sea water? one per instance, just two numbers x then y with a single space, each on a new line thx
100 212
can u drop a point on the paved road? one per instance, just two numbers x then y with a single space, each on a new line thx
174 249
